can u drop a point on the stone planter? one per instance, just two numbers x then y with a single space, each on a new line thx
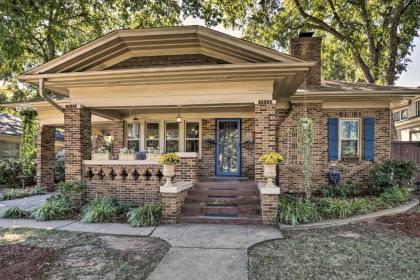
168 173
123 156
150 156
270 174
100 156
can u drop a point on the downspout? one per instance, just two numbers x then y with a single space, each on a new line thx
46 97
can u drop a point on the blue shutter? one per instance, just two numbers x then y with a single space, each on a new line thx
332 138
369 143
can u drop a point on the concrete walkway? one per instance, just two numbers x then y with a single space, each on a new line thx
27 203
208 251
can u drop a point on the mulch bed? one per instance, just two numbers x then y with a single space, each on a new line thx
408 223
24 262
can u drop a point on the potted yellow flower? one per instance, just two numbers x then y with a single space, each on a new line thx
169 161
270 160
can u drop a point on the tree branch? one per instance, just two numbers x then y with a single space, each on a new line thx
393 43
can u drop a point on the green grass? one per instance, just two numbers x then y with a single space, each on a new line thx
149 214
351 252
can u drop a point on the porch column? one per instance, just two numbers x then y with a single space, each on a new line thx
118 136
77 141
45 157
265 133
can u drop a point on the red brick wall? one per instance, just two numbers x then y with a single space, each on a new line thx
247 155
290 174
45 157
171 206
207 163
117 133
269 206
266 122
77 142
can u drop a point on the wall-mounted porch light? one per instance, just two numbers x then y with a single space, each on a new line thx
179 118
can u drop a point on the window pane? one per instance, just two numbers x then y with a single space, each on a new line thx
133 144
9 150
350 129
171 146
152 146
397 116
192 130
192 146
349 147
418 108
152 131
172 131
404 114
133 131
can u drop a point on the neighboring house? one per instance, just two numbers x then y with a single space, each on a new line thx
10 137
406 116
220 102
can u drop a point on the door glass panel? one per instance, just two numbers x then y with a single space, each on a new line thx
228 152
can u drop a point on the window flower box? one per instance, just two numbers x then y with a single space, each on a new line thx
101 154
126 154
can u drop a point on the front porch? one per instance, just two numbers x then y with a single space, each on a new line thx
240 133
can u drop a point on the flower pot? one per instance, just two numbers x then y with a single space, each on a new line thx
270 174
168 173
100 156
123 156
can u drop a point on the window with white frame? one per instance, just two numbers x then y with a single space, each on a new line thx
171 137
418 108
404 114
397 116
9 150
192 137
133 136
152 137
349 140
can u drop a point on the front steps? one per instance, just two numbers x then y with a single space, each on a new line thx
222 201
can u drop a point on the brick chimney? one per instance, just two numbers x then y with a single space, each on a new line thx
308 48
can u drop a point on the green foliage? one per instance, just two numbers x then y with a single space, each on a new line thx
102 210
392 173
16 213
364 41
29 129
306 139
335 208
19 193
296 210
346 189
395 196
55 208
150 214
73 186
10 172
170 158
271 158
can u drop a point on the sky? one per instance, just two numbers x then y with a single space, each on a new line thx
410 78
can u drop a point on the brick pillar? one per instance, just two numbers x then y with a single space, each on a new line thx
265 133
118 137
269 206
77 141
171 206
45 157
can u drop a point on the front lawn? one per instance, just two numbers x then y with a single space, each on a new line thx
386 249
42 254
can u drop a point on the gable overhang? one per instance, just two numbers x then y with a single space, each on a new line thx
120 45
286 77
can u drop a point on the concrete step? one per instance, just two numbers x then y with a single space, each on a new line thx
224 200
223 192
221 219
220 209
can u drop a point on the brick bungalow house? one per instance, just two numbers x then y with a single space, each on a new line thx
220 102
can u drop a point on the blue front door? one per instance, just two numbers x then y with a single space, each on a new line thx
228 148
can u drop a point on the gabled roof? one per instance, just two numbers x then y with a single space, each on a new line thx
121 45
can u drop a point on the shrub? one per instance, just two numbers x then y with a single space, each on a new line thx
16 213
37 190
392 173
55 208
335 208
395 196
19 193
296 210
346 189
149 214
10 171
59 167
364 206
102 210
72 186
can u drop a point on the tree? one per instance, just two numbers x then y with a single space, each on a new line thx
363 40
33 32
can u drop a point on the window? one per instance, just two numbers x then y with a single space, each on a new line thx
171 137
9 150
349 137
415 136
397 116
133 136
192 137
404 114
418 108
152 137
